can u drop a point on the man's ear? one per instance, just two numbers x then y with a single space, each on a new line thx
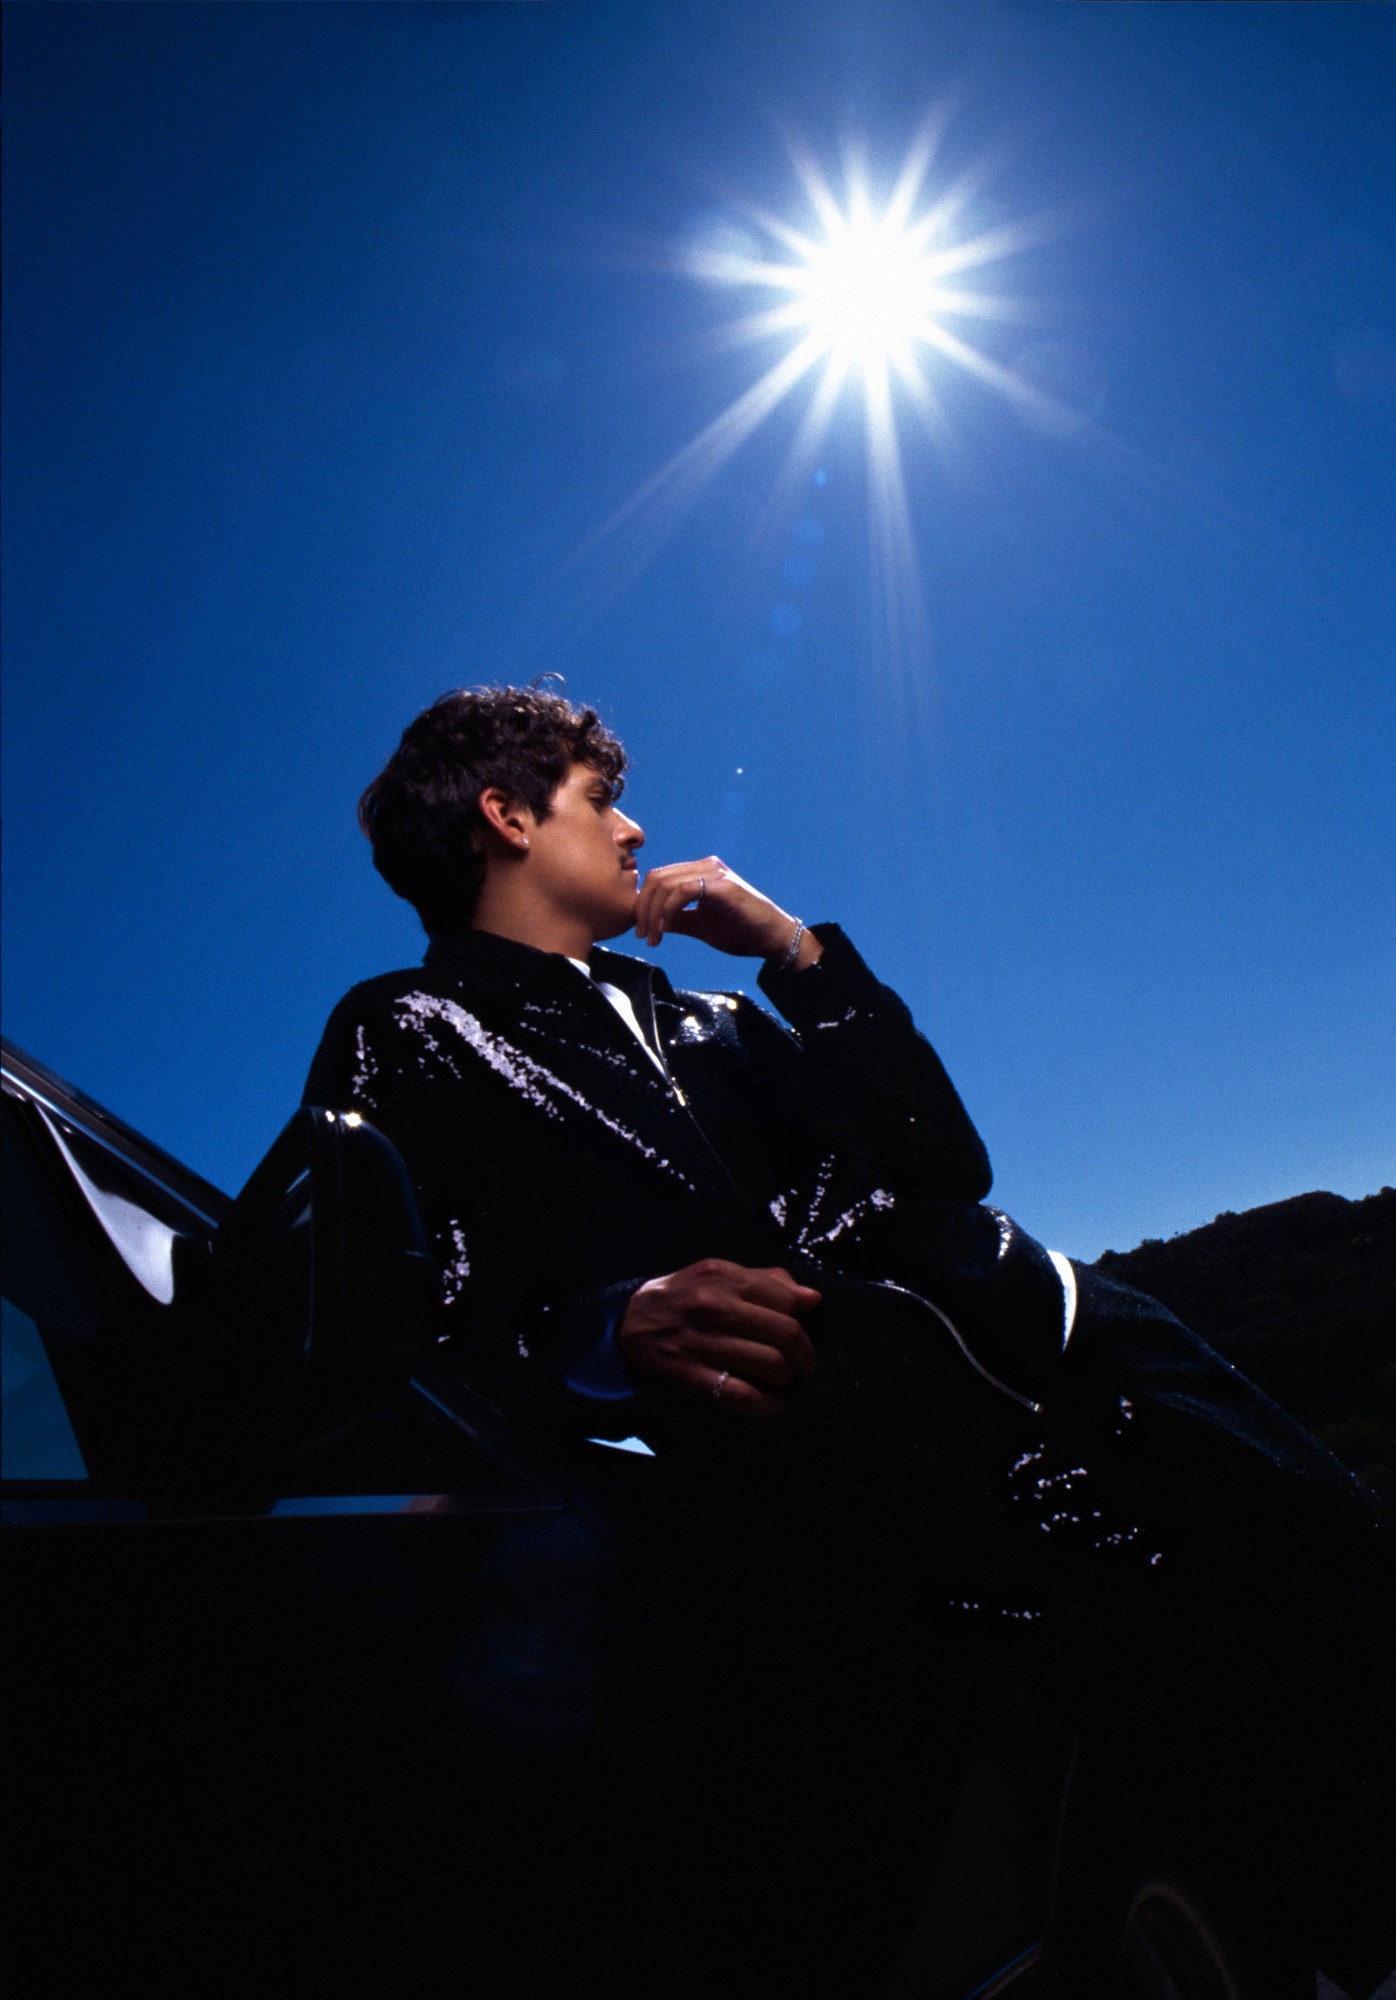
508 821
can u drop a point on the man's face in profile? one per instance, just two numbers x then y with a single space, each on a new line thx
582 855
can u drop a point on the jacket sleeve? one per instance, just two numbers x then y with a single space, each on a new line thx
527 1347
868 1070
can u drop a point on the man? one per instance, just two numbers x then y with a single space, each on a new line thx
761 1248
764 1248
644 1201
666 1213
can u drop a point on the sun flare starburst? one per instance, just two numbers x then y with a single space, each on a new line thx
870 290
860 291
868 293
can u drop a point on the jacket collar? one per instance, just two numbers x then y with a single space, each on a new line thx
484 952
490 961
635 976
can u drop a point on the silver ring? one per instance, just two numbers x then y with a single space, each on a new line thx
721 1384
702 891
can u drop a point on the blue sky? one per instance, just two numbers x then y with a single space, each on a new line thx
333 334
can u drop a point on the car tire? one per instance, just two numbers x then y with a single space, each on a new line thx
1164 1938
1170 1948
1158 1903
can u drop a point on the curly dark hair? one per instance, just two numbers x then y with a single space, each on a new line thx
422 812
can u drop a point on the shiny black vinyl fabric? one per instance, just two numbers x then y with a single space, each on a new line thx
558 1166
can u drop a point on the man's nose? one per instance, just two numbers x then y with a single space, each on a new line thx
631 834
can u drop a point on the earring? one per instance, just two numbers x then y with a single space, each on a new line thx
525 840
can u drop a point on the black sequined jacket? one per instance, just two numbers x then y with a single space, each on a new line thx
558 1167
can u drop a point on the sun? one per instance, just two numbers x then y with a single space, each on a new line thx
866 292
871 290
868 287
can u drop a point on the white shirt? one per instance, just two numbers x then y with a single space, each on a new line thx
624 1006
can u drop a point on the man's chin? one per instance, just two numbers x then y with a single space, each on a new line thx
616 925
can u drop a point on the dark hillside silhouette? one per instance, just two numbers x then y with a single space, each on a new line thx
1301 1296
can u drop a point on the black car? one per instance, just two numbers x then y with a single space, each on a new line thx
323 1669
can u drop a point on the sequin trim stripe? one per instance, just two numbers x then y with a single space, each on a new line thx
538 1085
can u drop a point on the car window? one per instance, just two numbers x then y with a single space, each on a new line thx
36 1437
45 1273
54 1284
